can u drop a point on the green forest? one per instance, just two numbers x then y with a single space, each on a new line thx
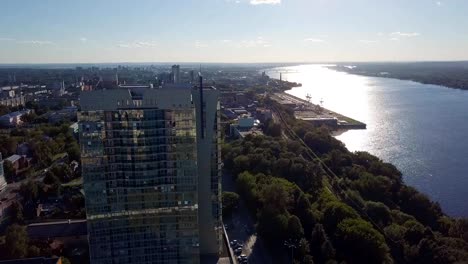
338 206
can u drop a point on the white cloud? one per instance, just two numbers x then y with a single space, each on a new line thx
404 34
366 41
140 44
394 39
83 40
36 42
258 42
226 40
6 39
265 2
314 40
439 3
137 44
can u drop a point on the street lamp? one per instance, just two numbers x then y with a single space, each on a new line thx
291 244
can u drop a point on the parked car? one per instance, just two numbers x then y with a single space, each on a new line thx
238 251
242 259
233 243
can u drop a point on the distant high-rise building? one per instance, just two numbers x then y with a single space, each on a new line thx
192 76
176 73
3 182
151 168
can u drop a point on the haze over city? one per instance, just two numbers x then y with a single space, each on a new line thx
88 31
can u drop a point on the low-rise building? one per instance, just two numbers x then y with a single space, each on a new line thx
62 232
68 113
40 260
264 114
19 162
245 125
13 119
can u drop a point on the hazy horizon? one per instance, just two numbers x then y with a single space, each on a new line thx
191 63
232 31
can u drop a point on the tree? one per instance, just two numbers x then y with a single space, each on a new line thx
319 140
321 246
303 248
34 251
28 118
8 146
295 230
74 152
335 212
327 250
378 212
241 163
272 129
395 232
360 242
308 259
246 186
62 172
50 178
418 205
16 212
275 198
29 190
230 202
414 231
8 170
16 241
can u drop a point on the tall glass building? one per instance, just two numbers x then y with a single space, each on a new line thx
151 168
3 183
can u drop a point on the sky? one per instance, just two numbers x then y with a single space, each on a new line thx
96 31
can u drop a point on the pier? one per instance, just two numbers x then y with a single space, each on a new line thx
316 114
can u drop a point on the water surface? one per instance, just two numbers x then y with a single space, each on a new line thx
422 129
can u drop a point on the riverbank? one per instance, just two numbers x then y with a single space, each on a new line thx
316 114
450 75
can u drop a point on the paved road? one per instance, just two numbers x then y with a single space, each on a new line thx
241 227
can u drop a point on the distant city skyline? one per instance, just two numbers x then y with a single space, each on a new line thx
53 31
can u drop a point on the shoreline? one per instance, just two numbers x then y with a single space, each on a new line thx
389 76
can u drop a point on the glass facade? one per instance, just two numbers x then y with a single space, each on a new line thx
141 186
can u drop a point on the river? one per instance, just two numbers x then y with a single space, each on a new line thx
422 129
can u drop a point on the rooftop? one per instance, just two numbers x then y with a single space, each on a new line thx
40 260
13 158
57 229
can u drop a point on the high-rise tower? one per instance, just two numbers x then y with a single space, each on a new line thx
151 171
175 73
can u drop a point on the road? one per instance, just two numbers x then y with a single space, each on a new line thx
241 227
